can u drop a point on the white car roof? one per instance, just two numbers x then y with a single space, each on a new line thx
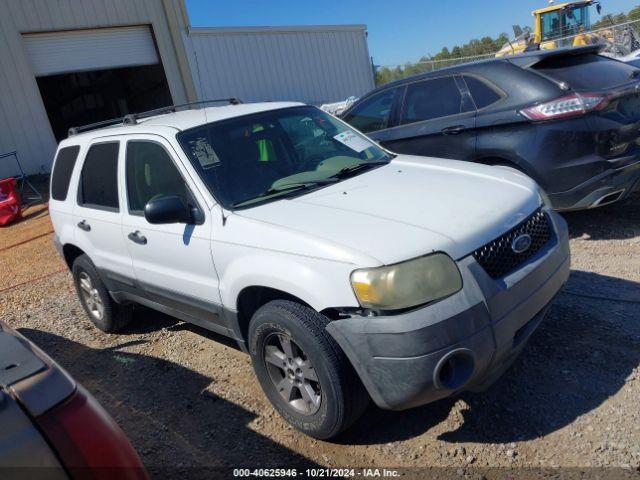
183 120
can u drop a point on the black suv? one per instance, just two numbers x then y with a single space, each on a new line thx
568 118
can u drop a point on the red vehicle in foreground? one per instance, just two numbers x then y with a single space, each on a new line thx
52 425
10 207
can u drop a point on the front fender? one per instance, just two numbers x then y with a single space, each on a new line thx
320 283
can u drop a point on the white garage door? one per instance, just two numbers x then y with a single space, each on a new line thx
96 49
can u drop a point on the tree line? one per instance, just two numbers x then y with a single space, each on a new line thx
607 20
484 46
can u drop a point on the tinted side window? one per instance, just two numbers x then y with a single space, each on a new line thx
430 99
374 113
99 177
62 171
482 94
151 173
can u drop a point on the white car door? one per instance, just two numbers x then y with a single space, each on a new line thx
97 214
173 263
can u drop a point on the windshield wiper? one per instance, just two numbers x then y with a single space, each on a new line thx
346 171
287 187
298 186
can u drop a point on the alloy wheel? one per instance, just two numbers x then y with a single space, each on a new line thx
292 373
91 296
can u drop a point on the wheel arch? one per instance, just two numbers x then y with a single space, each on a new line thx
70 252
247 281
496 160
251 298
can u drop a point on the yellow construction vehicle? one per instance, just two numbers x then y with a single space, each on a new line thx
558 25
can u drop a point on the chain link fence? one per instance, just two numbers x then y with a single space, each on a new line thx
616 40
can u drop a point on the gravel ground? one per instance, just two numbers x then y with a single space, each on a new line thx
187 397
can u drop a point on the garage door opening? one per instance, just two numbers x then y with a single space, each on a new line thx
86 76
74 99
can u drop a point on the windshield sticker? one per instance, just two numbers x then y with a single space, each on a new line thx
205 154
353 141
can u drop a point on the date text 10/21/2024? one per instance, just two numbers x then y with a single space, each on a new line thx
316 472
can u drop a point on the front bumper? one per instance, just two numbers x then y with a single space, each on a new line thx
610 186
461 343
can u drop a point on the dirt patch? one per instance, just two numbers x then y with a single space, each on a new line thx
35 222
187 397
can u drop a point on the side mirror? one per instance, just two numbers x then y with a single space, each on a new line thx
598 8
168 209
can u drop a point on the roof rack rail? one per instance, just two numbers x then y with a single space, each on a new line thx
93 126
132 118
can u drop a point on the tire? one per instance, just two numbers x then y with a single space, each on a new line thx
95 298
340 398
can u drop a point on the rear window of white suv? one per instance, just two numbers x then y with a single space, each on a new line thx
65 161
99 177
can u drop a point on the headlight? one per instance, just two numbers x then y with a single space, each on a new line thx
407 284
544 198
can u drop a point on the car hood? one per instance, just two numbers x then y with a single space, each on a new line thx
410 207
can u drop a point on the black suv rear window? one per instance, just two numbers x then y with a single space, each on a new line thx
587 72
62 171
99 178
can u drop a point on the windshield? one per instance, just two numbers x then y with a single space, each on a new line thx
576 20
565 22
276 154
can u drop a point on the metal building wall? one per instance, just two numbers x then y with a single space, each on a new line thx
24 125
313 64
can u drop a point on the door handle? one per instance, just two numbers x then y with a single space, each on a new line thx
83 225
455 130
136 237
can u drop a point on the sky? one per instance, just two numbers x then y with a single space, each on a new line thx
399 30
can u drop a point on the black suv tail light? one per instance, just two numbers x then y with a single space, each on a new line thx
572 105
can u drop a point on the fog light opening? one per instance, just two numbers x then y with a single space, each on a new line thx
454 370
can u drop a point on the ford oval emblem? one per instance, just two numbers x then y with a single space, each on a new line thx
521 243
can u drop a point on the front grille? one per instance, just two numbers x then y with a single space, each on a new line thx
498 257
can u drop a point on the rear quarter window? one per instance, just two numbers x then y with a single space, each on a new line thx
483 95
99 177
62 170
587 72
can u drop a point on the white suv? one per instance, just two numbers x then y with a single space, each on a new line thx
347 272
